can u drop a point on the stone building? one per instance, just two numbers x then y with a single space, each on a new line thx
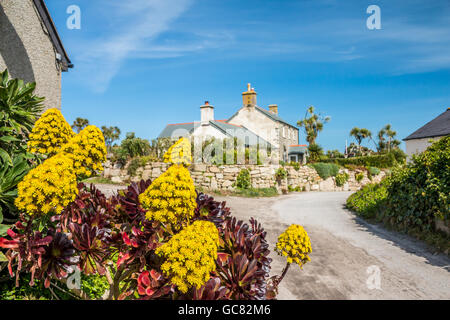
251 123
421 139
31 49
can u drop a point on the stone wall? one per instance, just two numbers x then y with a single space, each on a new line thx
214 177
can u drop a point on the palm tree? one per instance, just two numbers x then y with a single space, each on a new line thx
360 135
110 134
312 124
79 124
391 135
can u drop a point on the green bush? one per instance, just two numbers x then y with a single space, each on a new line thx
341 178
295 165
326 170
243 180
410 199
420 192
387 160
374 171
359 176
280 174
368 201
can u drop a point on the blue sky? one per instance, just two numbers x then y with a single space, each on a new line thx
140 64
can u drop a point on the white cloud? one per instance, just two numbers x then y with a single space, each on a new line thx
137 24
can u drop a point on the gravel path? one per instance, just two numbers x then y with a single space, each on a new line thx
347 252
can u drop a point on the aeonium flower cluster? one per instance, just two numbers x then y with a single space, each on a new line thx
50 186
190 255
179 153
87 151
171 198
50 133
295 245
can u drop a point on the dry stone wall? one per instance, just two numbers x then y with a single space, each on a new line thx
212 177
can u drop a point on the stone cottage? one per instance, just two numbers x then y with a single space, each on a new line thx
251 123
31 49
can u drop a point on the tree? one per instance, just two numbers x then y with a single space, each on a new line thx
334 154
110 134
79 124
312 124
315 152
360 135
390 134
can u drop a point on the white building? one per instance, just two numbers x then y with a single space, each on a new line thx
251 123
423 137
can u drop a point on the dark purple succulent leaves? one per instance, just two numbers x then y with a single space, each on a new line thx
244 265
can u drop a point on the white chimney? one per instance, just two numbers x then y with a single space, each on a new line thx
207 113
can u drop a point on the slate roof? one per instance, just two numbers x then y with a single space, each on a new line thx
438 127
267 113
273 116
298 148
53 33
221 125
170 128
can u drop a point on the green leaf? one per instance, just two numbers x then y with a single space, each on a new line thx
5 157
2 257
1 215
3 229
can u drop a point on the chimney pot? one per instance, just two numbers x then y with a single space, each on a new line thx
206 113
273 108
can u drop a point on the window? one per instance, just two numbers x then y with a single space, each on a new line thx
284 132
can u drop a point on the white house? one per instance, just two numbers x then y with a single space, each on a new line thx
251 123
419 140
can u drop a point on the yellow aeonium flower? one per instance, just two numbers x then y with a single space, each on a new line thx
190 255
295 245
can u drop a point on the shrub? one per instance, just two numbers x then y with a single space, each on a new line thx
50 133
341 178
420 192
243 179
19 108
326 170
295 165
368 201
131 147
387 160
374 171
133 165
359 176
280 174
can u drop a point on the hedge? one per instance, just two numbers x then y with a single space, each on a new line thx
387 160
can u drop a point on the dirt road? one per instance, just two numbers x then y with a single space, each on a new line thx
347 252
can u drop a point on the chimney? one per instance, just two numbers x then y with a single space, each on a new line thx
249 96
207 113
273 108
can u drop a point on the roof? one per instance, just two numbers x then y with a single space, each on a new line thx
230 130
269 114
298 148
438 127
273 116
53 33
185 128
221 125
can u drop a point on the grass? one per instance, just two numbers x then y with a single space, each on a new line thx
246 193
